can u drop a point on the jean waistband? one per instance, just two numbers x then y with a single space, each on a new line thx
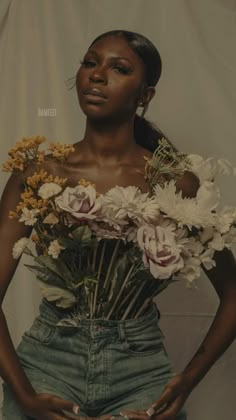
51 315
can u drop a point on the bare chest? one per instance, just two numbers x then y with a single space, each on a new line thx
106 178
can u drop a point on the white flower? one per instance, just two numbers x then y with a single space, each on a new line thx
191 269
193 247
54 249
195 211
161 253
19 247
225 219
80 202
217 242
225 167
208 196
230 237
206 258
207 169
49 189
206 234
130 202
28 216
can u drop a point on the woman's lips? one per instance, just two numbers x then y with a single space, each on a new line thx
91 97
94 92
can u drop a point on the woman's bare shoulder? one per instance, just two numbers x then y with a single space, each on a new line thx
189 184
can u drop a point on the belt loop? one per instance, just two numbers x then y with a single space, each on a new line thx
121 328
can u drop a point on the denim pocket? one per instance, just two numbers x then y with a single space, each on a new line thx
144 340
41 332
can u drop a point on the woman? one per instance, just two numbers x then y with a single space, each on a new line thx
109 368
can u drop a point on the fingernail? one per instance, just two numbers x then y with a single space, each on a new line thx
124 415
75 409
150 412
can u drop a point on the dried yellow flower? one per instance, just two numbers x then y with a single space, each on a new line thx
86 183
35 238
13 215
61 151
23 153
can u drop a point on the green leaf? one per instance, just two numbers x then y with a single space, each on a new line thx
82 232
57 266
63 298
27 251
46 275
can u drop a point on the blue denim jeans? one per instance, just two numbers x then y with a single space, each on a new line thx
105 366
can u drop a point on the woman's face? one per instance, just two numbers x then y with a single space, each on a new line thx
112 69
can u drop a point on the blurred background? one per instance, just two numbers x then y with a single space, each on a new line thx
41 44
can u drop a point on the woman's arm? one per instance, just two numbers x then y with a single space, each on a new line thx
219 337
223 329
10 231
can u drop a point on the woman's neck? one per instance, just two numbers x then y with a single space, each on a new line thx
109 144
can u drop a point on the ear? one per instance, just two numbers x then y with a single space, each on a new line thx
147 95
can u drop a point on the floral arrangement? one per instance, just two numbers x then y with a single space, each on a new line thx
108 255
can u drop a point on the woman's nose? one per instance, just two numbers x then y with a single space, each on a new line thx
98 75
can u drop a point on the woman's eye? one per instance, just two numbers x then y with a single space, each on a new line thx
122 69
87 63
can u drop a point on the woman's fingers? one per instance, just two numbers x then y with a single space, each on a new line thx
169 413
135 415
57 403
71 416
162 402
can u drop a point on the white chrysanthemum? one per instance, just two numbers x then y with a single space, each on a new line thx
54 249
130 202
19 247
195 211
28 216
49 189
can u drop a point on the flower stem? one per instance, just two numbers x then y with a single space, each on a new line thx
131 291
133 301
111 262
94 257
98 275
121 290
148 300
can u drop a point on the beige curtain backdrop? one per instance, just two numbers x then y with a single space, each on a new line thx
41 43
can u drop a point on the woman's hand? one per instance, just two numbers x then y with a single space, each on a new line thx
50 407
168 405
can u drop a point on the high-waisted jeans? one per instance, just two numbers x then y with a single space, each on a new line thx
104 366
